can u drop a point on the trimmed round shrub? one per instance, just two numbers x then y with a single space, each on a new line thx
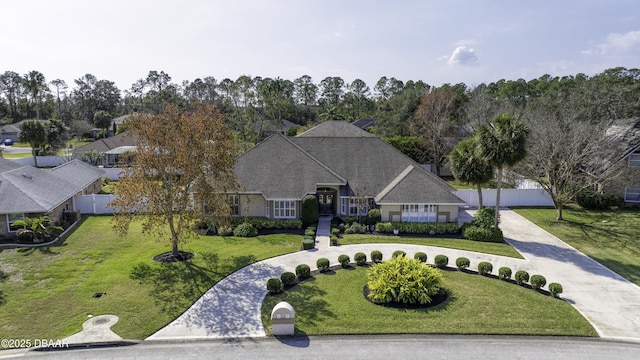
376 256
441 261
288 278
333 240
403 280
360 258
309 210
485 268
398 253
373 217
344 260
274 285
245 230
420 256
310 231
538 281
308 244
303 271
521 277
462 263
323 264
504 273
335 231
555 289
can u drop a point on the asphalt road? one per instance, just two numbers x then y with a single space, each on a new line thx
360 347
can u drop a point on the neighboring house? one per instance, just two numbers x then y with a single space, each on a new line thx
26 191
624 168
268 128
103 146
116 124
364 123
11 132
348 169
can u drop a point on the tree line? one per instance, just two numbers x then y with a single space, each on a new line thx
253 103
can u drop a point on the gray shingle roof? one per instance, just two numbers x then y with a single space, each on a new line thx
30 190
6 165
416 185
291 167
279 169
334 128
104 145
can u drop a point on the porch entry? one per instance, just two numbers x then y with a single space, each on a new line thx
326 201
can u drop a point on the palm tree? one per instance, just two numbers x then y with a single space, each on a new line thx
467 165
35 84
502 142
39 228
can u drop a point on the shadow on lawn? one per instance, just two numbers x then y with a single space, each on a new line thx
175 286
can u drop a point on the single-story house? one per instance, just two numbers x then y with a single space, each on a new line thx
11 132
103 146
26 191
348 169
624 168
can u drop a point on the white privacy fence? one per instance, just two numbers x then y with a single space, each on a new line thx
93 204
43 161
508 197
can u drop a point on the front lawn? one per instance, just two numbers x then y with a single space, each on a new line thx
50 291
333 303
612 238
502 249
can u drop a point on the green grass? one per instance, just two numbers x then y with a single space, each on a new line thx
16 156
49 292
502 249
612 238
333 303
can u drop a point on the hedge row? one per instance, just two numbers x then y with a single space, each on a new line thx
303 271
417 227
266 223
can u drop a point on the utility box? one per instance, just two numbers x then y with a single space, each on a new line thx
283 319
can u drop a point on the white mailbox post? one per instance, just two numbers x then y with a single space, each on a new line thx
283 319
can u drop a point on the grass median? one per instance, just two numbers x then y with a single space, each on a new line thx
333 303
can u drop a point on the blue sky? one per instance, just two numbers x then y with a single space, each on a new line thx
444 41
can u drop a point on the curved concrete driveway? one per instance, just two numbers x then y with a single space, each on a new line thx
231 308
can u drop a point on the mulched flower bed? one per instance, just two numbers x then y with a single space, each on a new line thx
435 300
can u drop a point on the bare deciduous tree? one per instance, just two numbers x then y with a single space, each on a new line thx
180 173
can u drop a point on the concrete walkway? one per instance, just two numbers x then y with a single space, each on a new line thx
232 307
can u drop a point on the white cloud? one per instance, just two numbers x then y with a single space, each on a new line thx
463 55
616 43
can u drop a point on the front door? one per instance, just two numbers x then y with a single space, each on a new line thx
326 197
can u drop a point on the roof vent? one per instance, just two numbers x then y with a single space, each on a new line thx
26 176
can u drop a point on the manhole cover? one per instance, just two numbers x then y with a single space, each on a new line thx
100 321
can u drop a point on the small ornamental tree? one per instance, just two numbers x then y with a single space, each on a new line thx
403 280
180 173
